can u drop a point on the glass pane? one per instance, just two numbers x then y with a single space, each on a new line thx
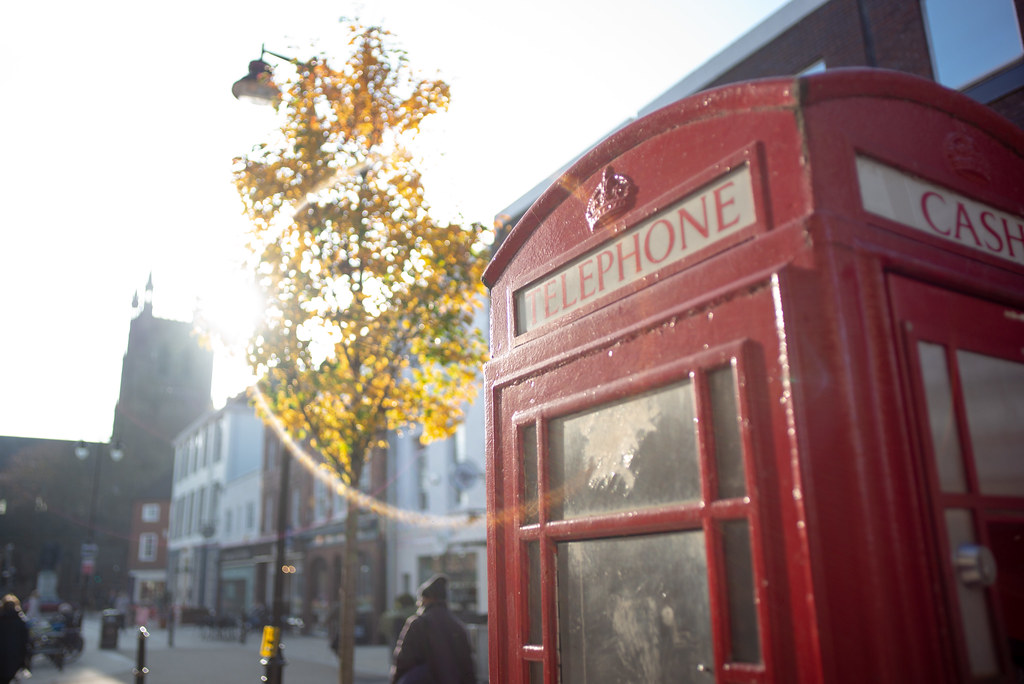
533 597
725 423
990 27
994 395
739 578
1006 540
630 454
939 399
536 672
973 608
529 436
634 609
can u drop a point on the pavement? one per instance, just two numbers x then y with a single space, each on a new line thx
189 655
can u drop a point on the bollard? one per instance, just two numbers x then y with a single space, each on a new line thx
140 658
272 656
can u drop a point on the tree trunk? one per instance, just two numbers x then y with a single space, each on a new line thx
347 596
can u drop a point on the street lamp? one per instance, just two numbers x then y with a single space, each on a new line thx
258 85
89 547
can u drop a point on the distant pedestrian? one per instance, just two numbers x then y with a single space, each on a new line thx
33 611
15 644
434 645
123 605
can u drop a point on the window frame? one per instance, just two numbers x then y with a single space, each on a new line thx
931 16
148 541
150 513
706 513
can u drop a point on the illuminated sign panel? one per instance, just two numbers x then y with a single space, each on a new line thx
932 209
711 214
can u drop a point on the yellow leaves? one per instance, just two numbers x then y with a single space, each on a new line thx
370 300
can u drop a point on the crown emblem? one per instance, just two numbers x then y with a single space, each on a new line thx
964 158
613 196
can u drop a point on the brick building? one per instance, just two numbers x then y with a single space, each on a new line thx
975 48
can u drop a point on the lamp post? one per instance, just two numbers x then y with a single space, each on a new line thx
89 548
273 657
258 87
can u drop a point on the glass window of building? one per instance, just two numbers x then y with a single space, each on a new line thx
147 546
970 40
150 513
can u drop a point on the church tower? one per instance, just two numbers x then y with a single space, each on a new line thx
166 378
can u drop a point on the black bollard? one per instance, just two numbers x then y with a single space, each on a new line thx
140 658
170 628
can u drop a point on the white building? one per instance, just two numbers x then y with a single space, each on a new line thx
214 504
440 525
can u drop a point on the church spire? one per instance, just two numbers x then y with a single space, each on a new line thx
147 306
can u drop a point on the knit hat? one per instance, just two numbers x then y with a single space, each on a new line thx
435 588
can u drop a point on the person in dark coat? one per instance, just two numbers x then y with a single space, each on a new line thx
15 643
433 647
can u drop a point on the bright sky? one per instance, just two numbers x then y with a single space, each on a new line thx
117 131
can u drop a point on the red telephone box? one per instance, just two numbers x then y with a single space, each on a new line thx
756 397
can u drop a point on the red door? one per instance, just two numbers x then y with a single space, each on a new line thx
635 547
965 366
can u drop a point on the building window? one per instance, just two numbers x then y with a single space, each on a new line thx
320 500
201 449
217 441
150 513
186 526
423 474
250 515
147 547
815 68
200 515
970 40
175 519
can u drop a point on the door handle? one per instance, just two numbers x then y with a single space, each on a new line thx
975 565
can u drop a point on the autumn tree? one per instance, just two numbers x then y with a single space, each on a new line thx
368 326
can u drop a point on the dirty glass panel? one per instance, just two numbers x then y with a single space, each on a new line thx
529 440
533 594
636 453
634 609
941 421
994 396
974 613
725 425
739 580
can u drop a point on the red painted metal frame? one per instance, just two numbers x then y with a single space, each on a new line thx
662 366
845 526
